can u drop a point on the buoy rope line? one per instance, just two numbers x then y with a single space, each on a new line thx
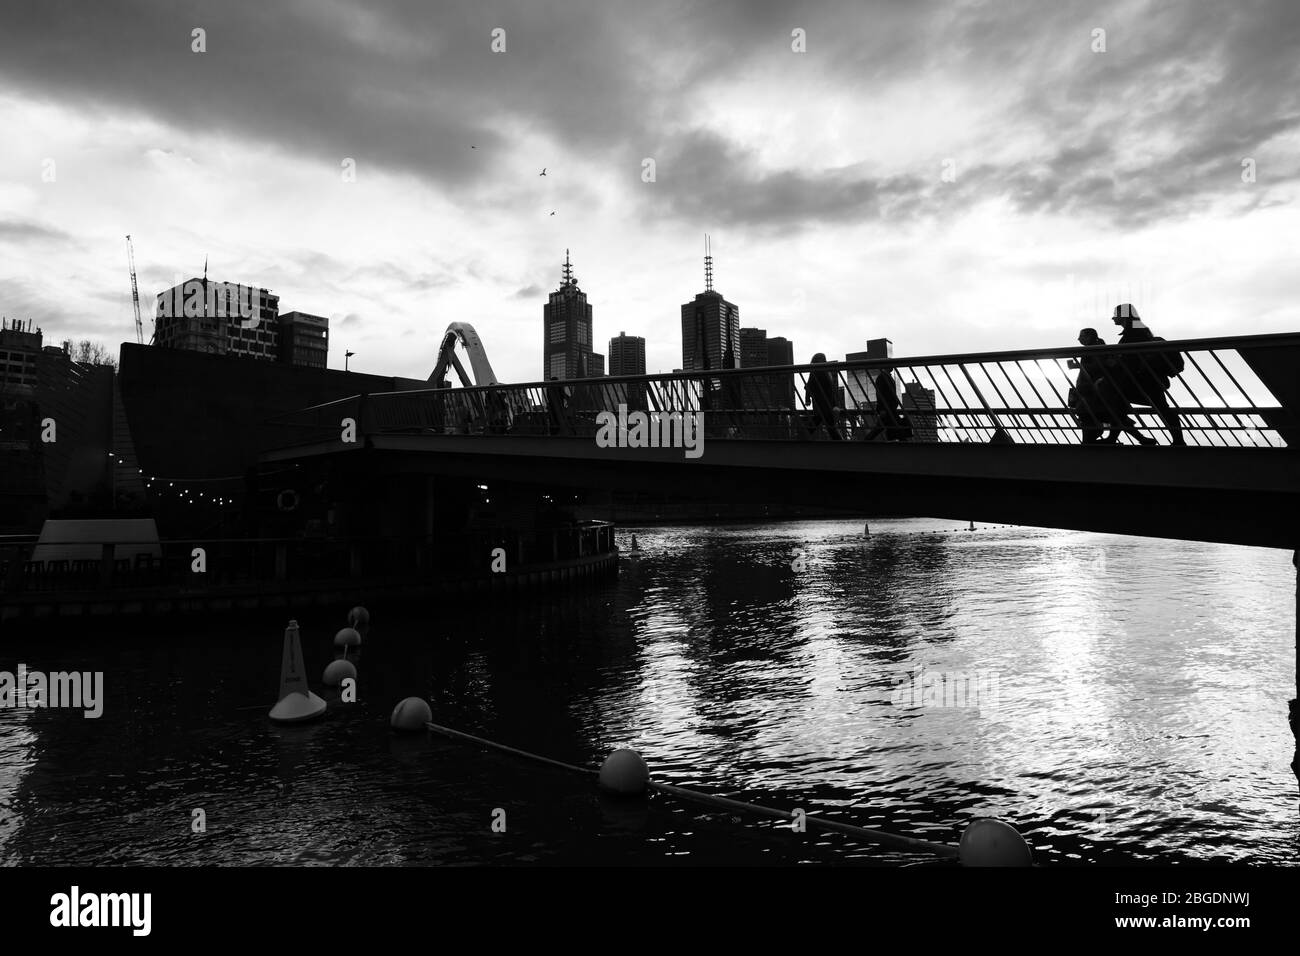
878 837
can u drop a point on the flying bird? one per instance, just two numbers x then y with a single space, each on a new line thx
473 147
552 212
543 172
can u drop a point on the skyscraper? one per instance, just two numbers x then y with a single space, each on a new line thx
755 393
566 337
626 355
710 327
780 351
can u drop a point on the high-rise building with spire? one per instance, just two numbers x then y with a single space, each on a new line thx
566 341
710 326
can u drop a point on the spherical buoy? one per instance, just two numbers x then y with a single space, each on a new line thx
411 714
348 637
359 617
337 671
624 773
989 842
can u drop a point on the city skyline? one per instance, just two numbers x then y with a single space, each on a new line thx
957 179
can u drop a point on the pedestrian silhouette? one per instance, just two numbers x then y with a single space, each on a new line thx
820 394
1144 378
557 402
1096 399
889 410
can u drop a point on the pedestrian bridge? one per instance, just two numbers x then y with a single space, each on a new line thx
994 437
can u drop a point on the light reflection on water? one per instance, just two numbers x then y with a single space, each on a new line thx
1140 711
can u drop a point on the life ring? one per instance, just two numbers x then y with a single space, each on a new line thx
287 500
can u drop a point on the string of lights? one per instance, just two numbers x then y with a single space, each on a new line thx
160 486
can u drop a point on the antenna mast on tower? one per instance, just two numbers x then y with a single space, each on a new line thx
708 266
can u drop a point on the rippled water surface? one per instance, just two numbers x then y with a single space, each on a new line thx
1122 699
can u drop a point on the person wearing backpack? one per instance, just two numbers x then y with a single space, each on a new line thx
1144 378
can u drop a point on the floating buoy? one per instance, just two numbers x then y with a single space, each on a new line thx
296 701
624 773
866 530
359 617
989 842
347 637
411 714
636 548
338 671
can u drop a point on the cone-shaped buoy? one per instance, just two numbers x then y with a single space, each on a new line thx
866 530
296 702
624 773
636 548
359 617
347 637
989 842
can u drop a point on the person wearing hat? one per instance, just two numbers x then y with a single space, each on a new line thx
1144 378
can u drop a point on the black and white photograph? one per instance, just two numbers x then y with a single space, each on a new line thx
852 437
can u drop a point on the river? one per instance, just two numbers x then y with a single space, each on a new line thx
1117 700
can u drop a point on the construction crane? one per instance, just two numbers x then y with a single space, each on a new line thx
135 293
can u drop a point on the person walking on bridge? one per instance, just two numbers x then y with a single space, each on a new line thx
1144 378
889 410
1096 400
557 407
820 394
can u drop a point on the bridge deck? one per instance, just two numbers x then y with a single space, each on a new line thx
992 437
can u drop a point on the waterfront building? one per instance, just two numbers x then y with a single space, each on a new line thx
219 318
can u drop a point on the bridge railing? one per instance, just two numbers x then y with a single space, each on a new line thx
1238 391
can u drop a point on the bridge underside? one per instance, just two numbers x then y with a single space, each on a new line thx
1246 496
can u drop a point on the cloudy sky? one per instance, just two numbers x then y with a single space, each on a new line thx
953 176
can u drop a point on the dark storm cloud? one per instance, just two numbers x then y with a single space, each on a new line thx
30 231
407 85
1153 128
703 174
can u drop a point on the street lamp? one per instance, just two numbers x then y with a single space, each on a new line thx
346 356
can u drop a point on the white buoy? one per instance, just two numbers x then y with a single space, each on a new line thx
338 671
347 637
296 701
359 617
989 842
624 773
411 714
